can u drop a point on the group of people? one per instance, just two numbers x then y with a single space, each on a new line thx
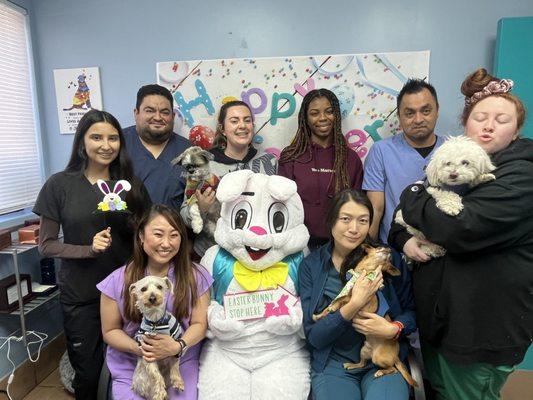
473 307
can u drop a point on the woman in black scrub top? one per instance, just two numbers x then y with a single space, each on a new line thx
94 243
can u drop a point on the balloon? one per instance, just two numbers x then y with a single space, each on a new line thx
178 121
274 151
173 71
202 136
346 97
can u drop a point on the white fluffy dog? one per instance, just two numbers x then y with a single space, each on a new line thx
151 379
460 163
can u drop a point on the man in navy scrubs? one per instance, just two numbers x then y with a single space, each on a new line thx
152 145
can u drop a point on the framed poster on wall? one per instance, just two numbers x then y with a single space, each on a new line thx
77 91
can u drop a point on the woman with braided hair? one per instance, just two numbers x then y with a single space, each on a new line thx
319 160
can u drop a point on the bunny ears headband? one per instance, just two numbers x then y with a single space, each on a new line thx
119 186
493 87
112 200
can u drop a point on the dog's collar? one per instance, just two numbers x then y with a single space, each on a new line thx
162 323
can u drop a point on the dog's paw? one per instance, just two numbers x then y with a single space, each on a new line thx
399 218
378 374
178 383
433 250
451 208
197 225
449 203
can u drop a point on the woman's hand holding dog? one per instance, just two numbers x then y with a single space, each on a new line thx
158 347
205 199
374 324
101 241
363 289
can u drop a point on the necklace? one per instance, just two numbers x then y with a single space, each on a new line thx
163 272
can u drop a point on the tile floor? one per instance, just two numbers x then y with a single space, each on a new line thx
50 389
519 383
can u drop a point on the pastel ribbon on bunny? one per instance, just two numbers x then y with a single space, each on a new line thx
112 200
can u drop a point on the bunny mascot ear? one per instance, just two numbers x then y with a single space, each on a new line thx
103 186
281 188
233 184
120 186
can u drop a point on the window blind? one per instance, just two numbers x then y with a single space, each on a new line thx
20 171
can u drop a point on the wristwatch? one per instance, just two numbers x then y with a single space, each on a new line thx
184 347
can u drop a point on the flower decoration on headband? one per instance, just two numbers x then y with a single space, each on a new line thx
493 87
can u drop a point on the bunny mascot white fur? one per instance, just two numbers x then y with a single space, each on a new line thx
260 236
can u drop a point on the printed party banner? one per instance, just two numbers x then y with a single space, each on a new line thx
366 85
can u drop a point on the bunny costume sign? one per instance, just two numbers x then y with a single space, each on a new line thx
260 237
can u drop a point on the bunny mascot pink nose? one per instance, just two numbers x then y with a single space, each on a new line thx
258 230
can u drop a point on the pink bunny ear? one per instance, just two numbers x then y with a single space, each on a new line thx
121 185
103 186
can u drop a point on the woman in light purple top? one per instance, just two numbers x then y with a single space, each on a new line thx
161 250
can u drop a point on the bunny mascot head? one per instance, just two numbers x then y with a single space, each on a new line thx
261 226
260 237
261 220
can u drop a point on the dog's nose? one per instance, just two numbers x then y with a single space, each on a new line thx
454 175
152 299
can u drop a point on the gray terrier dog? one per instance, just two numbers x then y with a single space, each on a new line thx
195 160
151 379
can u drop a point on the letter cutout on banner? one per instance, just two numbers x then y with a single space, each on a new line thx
186 107
373 130
357 145
310 82
275 114
245 96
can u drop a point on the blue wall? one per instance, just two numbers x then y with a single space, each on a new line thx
126 39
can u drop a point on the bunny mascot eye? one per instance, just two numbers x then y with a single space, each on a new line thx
241 215
278 217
